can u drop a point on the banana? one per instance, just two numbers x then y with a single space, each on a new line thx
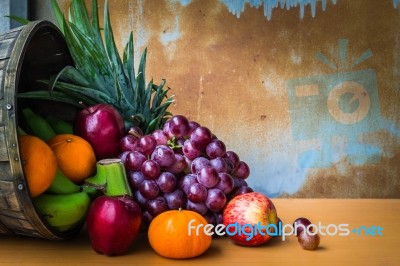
62 185
65 228
60 126
62 210
38 125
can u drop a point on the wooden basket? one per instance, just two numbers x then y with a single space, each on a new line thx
29 53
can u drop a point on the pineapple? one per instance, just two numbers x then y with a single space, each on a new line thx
100 74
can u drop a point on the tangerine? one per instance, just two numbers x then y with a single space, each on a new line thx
38 162
75 156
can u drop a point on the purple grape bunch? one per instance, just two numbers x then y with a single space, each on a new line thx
184 165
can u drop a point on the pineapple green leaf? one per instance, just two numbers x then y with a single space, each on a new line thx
20 20
153 125
68 73
114 57
58 14
128 61
92 94
55 96
96 25
141 70
100 74
81 17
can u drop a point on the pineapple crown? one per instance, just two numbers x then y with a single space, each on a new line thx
100 75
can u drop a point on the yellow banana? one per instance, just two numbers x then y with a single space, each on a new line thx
60 126
38 125
62 210
62 185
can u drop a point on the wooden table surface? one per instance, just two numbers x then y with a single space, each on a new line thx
339 250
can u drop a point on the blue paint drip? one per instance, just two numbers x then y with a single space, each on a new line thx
237 7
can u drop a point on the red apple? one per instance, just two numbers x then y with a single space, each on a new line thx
253 216
103 127
113 224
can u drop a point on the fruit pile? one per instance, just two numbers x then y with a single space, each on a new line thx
125 158
55 163
182 166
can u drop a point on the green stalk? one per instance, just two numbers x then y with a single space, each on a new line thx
110 178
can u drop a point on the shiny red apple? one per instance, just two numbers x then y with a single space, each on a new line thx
113 224
103 127
250 219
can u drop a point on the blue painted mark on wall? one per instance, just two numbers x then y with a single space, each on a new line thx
237 7
343 104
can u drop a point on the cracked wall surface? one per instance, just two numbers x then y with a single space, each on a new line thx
311 103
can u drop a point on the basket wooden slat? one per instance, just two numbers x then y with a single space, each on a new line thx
34 51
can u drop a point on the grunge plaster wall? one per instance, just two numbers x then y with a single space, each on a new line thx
307 95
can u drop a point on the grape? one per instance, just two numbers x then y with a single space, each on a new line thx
135 178
147 217
242 170
199 207
218 218
215 200
190 150
128 143
210 217
198 164
178 166
225 183
229 165
233 158
187 169
149 189
166 182
219 164
156 206
215 148
179 126
150 169
243 190
197 193
146 144
167 130
175 199
186 181
123 155
201 136
300 224
140 199
207 176
163 155
183 165
134 161
160 137
307 241
192 126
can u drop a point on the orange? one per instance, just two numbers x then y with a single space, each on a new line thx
75 156
170 235
38 162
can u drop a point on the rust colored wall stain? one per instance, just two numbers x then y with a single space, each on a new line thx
231 75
